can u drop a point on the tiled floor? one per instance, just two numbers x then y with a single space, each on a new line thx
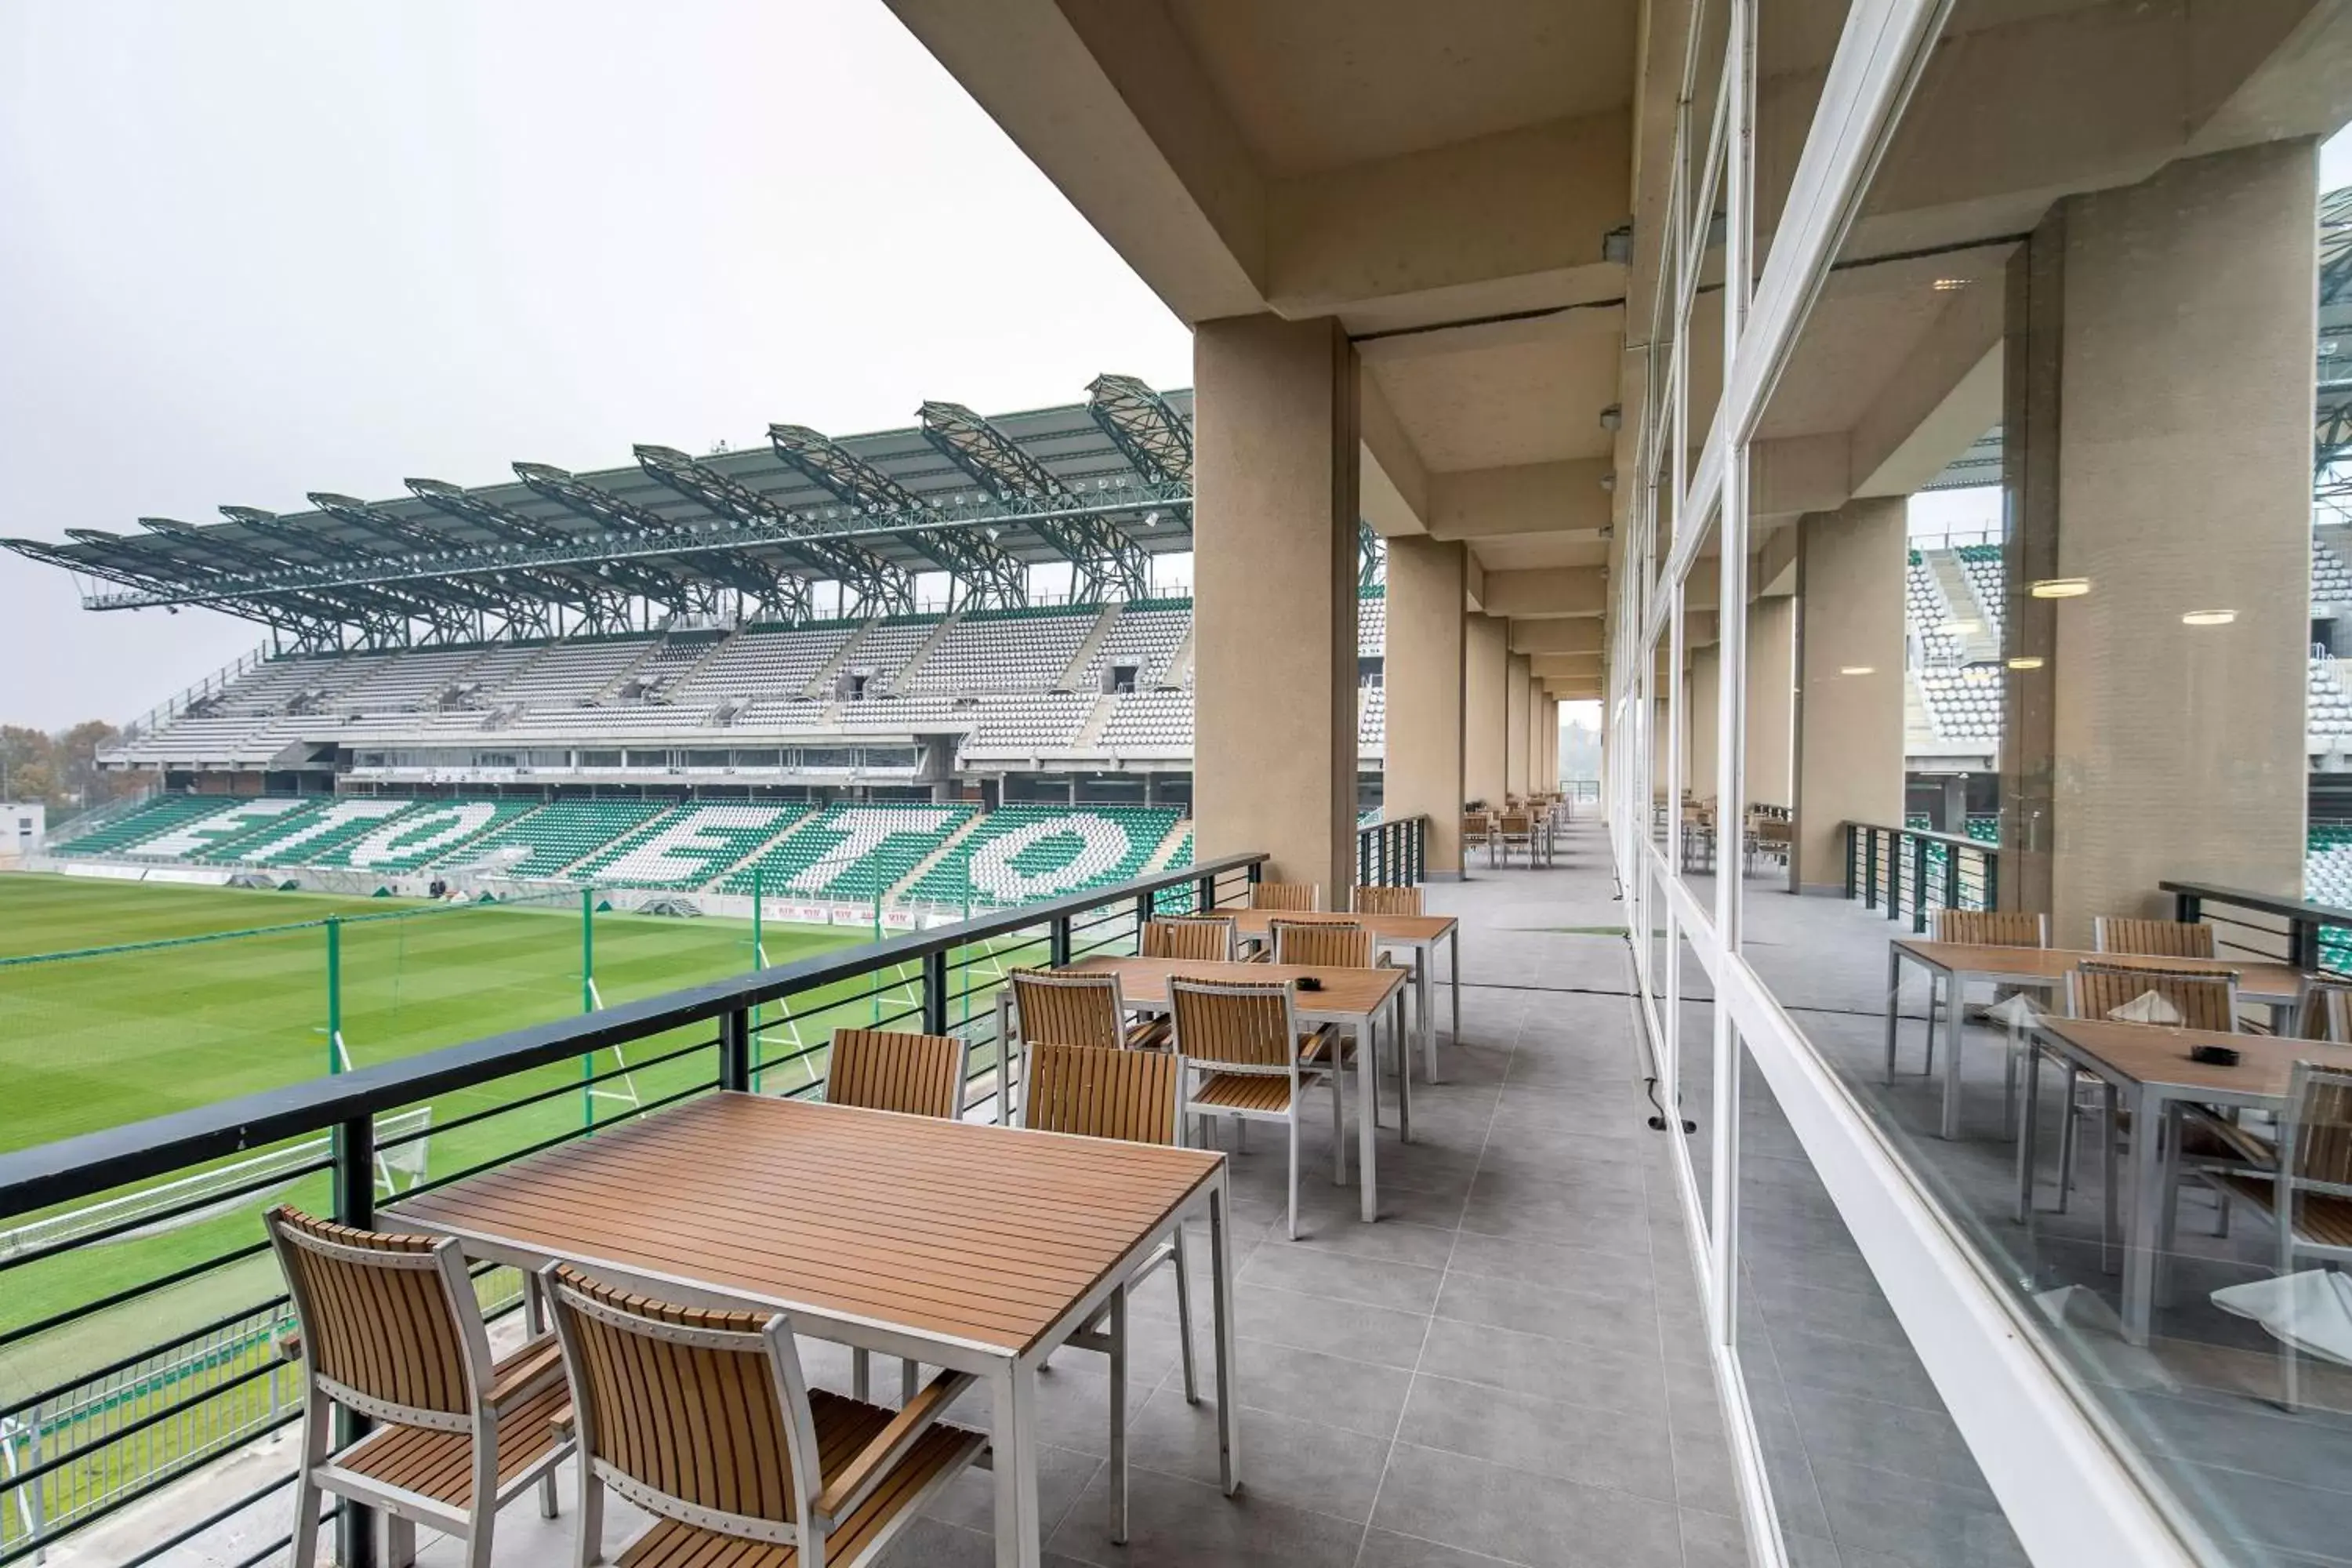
1508 1366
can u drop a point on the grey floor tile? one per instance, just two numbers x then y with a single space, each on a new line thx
1507 1514
1176 1523
1386 1548
1617 1277
1298 1464
1353 1395
1407 1287
1559 1315
1614 1449
1922 1443
1378 1334
1498 1358
1922 1521
969 1500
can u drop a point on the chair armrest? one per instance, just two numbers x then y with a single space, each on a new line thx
561 1425
858 1478
526 1371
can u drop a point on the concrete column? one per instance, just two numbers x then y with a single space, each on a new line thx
1485 675
1424 666
1849 756
1274 611
2160 386
1547 746
1772 701
1516 710
1703 687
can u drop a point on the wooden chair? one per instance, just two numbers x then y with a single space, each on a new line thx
1975 928
1321 944
1302 897
914 1075
2153 938
1208 939
1067 1009
2326 1013
2205 998
1477 828
1377 901
1137 1096
1257 1065
2308 1197
1512 828
389 1328
705 1420
882 1069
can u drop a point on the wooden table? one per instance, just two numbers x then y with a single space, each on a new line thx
2147 1067
1417 933
954 1245
1352 997
2279 985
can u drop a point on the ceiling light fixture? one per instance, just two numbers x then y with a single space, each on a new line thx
1612 416
2061 587
1945 284
2208 617
2025 662
1858 669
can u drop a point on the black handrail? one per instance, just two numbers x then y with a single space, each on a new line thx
1392 853
79 1167
1892 866
2305 920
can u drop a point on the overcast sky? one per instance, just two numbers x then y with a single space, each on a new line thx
253 249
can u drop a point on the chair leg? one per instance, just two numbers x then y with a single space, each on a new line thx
1184 1318
304 1546
588 1531
1339 1133
2009 1090
547 1494
1294 1173
1930 1067
483 1521
861 1376
909 1378
399 1541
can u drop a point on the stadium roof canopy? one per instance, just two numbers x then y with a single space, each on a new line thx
1102 485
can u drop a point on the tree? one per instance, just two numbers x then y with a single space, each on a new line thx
60 771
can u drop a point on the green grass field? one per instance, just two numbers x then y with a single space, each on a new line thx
133 1020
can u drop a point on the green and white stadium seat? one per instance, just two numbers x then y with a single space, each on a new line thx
1020 854
552 839
151 820
428 830
689 846
850 851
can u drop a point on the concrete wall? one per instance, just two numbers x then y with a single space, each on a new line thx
1486 669
1423 670
1772 701
2170 342
1518 711
1849 757
1275 484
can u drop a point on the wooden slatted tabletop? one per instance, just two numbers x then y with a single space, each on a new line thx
987 1235
2257 982
1346 993
1391 928
2149 1053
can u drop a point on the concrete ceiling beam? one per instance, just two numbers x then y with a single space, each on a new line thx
1527 497
1579 634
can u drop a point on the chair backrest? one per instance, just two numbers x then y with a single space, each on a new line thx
2152 939
2327 1012
2205 999
1514 824
882 1069
1095 1093
1069 1009
1247 1027
1991 928
1474 824
697 1415
2315 1129
1376 900
1323 944
1284 896
390 1323
1207 939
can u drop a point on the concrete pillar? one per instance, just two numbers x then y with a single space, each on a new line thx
1703 687
1516 710
1424 666
1772 701
1547 745
1274 593
1485 675
1849 755
2158 390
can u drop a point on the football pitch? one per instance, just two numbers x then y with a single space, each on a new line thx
122 1001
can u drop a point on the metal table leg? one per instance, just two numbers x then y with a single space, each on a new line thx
1220 1274
1951 1055
2147 1197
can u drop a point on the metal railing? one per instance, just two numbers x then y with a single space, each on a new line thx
2267 928
1907 871
1389 854
161 1405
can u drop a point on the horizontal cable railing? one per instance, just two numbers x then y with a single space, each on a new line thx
138 1311
1389 853
2266 927
1908 871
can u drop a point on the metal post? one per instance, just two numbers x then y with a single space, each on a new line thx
2186 907
1951 876
334 994
935 991
1918 884
354 1178
735 1051
1870 867
1057 940
1204 895
1849 859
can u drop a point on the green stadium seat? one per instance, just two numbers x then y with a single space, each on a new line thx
1053 851
691 846
851 851
553 838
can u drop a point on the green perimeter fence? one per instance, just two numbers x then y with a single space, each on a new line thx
137 1325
